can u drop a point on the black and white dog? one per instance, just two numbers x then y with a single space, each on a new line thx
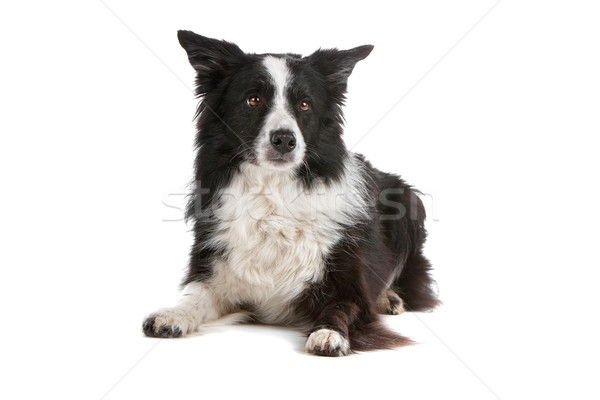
290 226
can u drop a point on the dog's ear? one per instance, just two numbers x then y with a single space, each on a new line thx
337 65
211 58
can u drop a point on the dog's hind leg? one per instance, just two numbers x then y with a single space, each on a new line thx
196 306
390 303
415 285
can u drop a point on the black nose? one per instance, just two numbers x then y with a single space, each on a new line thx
284 141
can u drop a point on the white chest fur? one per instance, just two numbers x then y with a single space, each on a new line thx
276 235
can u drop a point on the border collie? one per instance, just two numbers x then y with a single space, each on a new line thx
291 227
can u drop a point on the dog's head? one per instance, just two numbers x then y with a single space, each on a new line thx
274 109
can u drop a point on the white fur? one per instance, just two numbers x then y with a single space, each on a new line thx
276 236
196 306
327 340
279 116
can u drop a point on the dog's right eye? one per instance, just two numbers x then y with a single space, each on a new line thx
253 101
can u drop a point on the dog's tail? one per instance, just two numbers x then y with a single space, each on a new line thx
374 336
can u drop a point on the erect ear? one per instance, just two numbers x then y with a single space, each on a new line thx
211 58
337 65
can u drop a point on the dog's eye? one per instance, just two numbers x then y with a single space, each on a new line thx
253 101
304 106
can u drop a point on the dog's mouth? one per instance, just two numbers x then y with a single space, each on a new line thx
275 156
279 163
275 160
279 160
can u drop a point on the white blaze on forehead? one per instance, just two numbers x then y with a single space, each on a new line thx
280 76
280 115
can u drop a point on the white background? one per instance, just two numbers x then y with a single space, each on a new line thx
97 132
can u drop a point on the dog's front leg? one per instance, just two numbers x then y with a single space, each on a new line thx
196 306
330 334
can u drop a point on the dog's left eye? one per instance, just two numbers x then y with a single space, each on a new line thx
304 106
253 101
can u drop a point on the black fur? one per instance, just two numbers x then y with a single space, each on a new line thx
371 252
359 266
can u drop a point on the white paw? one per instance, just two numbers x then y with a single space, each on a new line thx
166 323
327 342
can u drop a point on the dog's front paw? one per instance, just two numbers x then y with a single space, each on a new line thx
166 323
327 342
